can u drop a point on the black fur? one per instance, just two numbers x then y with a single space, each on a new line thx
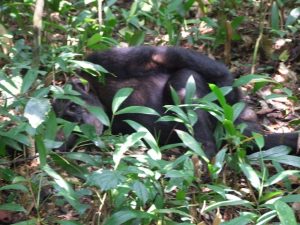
150 71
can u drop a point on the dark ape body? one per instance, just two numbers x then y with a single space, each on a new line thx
150 71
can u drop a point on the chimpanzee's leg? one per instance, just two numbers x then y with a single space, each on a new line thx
204 127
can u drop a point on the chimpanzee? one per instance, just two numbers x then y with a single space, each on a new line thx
151 71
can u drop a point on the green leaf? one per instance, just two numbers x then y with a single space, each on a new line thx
290 198
278 154
69 222
99 113
265 218
212 97
270 195
285 213
141 191
175 97
123 147
191 143
88 66
251 175
270 154
241 220
36 110
173 211
281 176
275 16
28 222
51 126
219 94
28 80
105 179
220 160
233 202
137 109
190 89
19 187
237 109
66 190
251 77
41 149
70 167
293 16
120 97
83 157
259 139
154 152
137 38
121 217
12 207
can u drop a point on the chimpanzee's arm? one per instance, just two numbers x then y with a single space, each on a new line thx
138 61
148 60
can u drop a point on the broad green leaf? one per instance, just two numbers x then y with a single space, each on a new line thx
251 77
228 112
220 160
51 126
293 16
66 190
120 97
281 176
141 191
237 109
275 16
69 222
41 149
137 109
28 222
96 38
19 187
36 110
175 174
137 38
88 66
83 157
259 139
121 217
178 111
12 207
270 154
285 213
28 80
69 166
234 202
251 175
265 218
173 211
219 94
290 198
191 143
190 89
175 97
123 147
270 195
99 113
105 179
154 152
241 220
277 154
212 97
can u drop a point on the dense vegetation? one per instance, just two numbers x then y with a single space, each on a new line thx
118 179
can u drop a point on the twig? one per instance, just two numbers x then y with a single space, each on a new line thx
261 30
100 13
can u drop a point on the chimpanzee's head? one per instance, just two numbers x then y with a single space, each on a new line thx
69 110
